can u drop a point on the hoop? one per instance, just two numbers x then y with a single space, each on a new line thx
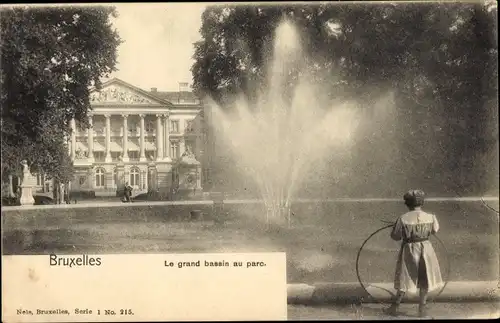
447 260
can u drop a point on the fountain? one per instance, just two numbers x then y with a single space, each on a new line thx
276 141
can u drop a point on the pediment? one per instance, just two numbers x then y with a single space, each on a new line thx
119 92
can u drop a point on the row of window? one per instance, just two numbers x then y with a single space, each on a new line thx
150 127
150 154
100 178
134 178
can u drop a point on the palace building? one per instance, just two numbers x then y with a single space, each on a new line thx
151 140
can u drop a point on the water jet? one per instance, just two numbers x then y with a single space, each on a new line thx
277 136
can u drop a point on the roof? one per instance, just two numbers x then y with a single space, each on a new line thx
177 97
167 97
133 88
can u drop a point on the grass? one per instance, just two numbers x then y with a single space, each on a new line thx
321 245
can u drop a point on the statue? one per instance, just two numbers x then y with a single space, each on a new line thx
94 97
79 154
117 94
114 94
26 169
188 153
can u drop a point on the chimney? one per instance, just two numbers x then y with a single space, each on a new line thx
154 90
183 87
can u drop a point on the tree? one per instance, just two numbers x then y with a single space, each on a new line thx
439 60
50 57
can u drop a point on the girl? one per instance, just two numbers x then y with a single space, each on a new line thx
417 266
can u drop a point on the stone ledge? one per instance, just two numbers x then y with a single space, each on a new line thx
321 293
207 202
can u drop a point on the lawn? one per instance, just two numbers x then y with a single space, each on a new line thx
321 245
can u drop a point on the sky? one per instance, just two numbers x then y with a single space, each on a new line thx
158 43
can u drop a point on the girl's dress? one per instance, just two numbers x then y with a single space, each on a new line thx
417 266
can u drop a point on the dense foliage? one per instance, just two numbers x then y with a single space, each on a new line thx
50 57
439 59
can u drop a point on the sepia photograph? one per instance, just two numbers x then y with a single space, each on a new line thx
358 139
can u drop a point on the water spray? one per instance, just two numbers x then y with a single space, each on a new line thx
276 141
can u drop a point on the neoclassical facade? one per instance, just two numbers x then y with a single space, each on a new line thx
149 139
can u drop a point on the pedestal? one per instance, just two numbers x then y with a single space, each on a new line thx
26 186
189 185
62 189
164 177
27 195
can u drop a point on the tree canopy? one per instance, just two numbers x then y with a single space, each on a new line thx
50 58
440 60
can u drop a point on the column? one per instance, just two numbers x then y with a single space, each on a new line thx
198 177
198 140
90 138
73 139
108 138
143 153
107 180
125 138
11 187
166 144
67 140
90 178
143 179
159 141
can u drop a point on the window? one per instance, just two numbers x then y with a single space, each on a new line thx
99 156
132 128
134 177
39 180
174 149
115 155
99 128
99 177
150 126
174 126
133 154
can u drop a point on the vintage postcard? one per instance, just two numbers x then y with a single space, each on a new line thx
249 161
